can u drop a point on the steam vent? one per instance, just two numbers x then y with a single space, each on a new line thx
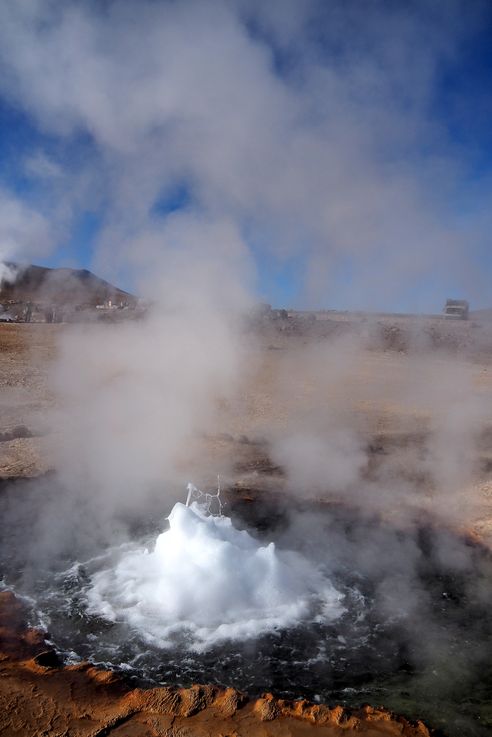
245 368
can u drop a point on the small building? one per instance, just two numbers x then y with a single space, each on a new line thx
457 309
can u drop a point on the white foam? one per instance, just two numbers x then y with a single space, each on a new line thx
212 582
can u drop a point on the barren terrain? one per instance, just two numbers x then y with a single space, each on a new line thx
372 389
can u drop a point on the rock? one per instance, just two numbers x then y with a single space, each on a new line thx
266 708
48 659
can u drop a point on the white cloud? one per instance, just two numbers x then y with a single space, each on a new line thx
24 232
41 166
326 157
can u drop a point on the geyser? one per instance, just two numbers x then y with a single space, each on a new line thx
415 632
208 581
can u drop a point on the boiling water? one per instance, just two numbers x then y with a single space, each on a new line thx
204 581
206 601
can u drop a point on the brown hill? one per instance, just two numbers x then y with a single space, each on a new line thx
74 287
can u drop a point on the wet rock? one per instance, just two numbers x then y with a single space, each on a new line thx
48 659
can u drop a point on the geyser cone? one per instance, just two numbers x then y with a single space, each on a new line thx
211 581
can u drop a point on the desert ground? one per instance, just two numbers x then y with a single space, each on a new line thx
374 389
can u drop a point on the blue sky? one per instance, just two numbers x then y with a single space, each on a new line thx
58 158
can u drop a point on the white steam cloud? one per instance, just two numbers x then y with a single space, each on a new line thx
24 233
134 398
312 143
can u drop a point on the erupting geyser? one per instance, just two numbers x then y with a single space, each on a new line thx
206 581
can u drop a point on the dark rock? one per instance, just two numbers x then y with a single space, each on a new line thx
48 659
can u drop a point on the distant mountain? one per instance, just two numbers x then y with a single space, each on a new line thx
73 287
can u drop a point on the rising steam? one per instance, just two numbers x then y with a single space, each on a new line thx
213 140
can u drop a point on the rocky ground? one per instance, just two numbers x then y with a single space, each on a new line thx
38 696
26 353
374 386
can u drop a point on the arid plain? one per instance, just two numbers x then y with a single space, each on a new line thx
405 421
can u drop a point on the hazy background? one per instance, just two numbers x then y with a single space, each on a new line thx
345 145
